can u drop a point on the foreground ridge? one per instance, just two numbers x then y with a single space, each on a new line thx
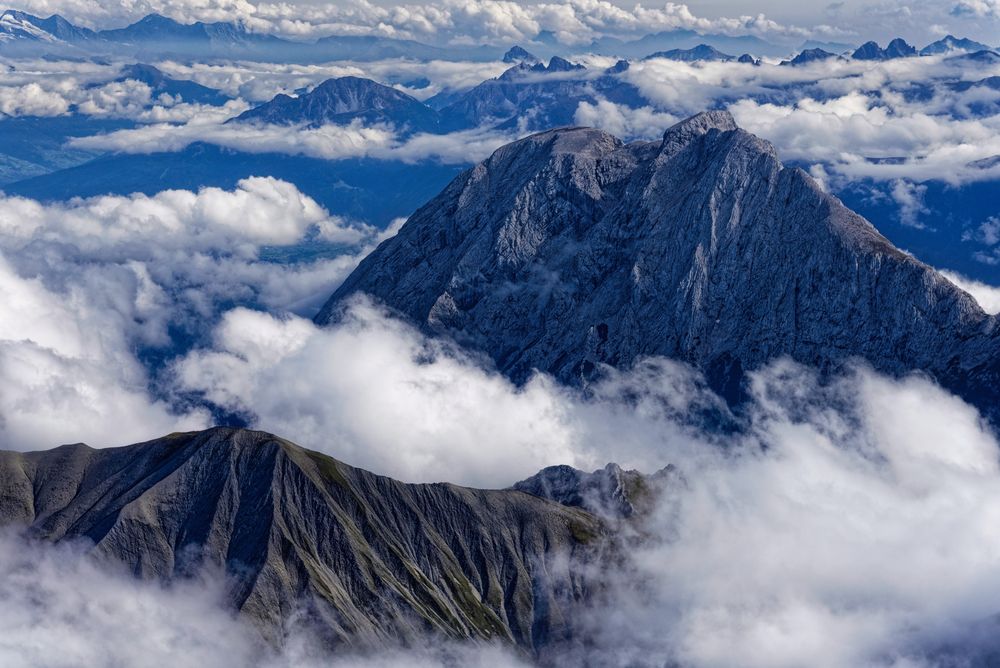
368 558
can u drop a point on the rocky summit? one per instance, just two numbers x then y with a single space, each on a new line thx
366 559
570 249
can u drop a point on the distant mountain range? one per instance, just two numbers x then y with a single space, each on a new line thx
156 34
344 100
702 52
897 48
161 84
36 162
950 43
570 250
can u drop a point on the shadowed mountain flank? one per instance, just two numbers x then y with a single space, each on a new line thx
368 559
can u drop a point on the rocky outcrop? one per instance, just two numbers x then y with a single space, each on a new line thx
367 559
611 492
897 48
517 54
569 250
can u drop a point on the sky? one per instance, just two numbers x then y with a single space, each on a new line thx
573 21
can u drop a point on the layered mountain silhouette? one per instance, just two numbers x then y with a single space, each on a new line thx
570 250
526 95
159 34
344 100
897 48
809 56
950 44
365 558
702 52
160 84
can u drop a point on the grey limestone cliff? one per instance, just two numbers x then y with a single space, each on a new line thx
570 249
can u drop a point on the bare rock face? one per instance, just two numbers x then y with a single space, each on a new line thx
569 250
368 558
611 492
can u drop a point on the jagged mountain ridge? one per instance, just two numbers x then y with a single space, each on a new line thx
611 492
897 48
950 44
371 559
343 100
530 96
570 249
702 52
155 33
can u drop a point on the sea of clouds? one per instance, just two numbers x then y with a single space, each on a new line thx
851 522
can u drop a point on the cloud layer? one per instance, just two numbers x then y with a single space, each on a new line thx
445 21
569 21
328 142
849 527
96 290
851 522
50 88
62 608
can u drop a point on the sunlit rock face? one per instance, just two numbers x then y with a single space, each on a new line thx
569 250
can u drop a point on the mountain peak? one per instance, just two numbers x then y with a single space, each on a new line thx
897 48
516 54
344 99
571 250
701 52
610 492
702 123
809 56
558 64
950 43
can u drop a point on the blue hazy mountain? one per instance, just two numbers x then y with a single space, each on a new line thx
702 52
159 35
155 28
31 146
897 48
809 56
374 191
683 39
984 57
950 43
371 47
536 96
833 47
160 84
346 99
516 55
15 25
